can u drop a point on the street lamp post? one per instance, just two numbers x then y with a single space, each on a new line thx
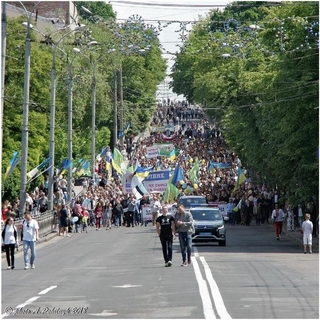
3 61
52 118
93 121
93 65
115 114
121 106
25 126
70 115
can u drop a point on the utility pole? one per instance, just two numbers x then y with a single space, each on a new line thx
121 107
115 115
3 62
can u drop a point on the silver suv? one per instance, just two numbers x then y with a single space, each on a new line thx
209 225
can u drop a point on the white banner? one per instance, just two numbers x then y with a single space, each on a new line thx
152 152
146 212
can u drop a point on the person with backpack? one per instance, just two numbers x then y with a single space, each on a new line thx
10 241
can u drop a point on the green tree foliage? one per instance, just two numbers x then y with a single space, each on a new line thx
99 9
264 83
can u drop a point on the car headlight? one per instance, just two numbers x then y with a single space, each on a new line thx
220 228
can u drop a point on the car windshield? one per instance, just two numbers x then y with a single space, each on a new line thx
213 214
187 202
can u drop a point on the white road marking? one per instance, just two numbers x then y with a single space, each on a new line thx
128 286
27 302
217 298
10 310
22 305
104 313
47 290
204 292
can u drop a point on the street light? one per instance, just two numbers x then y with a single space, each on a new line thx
48 40
25 126
52 119
93 107
3 61
70 142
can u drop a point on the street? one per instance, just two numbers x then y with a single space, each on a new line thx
120 274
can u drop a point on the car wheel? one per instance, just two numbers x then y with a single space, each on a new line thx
222 243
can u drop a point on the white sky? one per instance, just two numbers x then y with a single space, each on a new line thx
169 37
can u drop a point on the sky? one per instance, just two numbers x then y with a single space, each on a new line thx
153 11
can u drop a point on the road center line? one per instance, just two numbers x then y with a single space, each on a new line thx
217 298
47 290
204 292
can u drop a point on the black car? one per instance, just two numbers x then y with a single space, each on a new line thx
209 225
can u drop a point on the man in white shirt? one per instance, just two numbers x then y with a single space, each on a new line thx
30 234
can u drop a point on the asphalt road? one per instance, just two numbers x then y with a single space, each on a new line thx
120 274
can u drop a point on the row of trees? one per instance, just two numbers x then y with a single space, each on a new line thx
254 67
119 46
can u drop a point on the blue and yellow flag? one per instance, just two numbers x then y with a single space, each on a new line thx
241 179
12 164
178 175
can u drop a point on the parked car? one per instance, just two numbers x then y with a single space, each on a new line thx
189 201
209 225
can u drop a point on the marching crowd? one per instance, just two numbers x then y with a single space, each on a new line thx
104 205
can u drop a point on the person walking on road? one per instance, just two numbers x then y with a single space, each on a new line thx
30 234
185 228
166 230
278 216
307 229
10 241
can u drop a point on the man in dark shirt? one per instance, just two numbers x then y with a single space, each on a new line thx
166 229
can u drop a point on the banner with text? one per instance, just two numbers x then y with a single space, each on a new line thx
157 181
152 152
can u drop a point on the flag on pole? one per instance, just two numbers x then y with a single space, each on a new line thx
117 160
39 174
141 172
241 178
31 174
108 165
194 171
138 189
178 175
171 191
12 164
66 164
211 168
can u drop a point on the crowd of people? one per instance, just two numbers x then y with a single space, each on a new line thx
103 204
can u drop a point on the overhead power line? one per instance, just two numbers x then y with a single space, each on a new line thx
169 4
